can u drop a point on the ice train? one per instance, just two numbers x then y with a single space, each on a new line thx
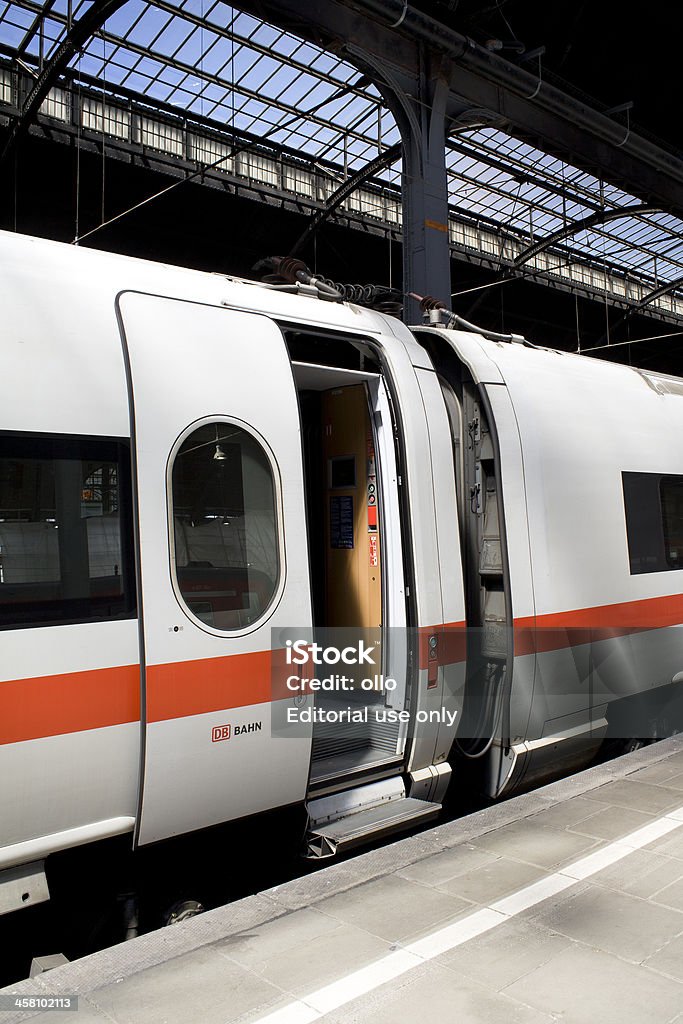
195 470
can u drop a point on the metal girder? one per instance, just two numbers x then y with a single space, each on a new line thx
663 289
638 307
79 33
583 224
343 192
482 79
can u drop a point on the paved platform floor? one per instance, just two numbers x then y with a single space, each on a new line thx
563 905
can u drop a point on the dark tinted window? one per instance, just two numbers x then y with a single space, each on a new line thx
671 494
654 521
225 530
66 552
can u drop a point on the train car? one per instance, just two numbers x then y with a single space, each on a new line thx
211 487
196 470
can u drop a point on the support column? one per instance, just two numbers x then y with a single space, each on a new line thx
426 253
419 100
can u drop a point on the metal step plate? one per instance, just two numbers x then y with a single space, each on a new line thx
367 825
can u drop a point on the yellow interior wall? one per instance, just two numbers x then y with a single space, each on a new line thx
353 583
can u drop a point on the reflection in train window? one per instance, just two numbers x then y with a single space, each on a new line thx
225 529
654 521
671 493
66 551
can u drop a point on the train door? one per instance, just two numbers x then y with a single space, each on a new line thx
375 534
484 437
357 569
223 559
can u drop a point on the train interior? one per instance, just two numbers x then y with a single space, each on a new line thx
355 560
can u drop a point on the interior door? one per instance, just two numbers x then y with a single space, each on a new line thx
222 559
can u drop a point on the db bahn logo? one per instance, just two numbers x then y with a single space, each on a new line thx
224 732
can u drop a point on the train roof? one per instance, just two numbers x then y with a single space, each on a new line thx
502 362
78 269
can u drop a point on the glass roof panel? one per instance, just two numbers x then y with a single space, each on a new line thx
205 57
266 35
146 27
287 46
11 35
120 21
21 18
221 14
535 188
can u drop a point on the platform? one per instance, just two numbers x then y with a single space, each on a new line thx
565 904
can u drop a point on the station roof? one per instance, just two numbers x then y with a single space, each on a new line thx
212 61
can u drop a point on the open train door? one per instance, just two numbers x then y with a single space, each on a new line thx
492 512
219 482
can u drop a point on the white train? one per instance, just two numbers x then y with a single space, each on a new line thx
195 470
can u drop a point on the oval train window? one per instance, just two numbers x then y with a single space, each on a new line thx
225 526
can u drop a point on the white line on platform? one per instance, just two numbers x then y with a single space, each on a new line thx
314 1005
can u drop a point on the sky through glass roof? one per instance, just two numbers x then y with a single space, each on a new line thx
211 61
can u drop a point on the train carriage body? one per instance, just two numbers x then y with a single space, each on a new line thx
175 507
197 472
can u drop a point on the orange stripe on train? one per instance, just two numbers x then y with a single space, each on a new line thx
78 701
70 702
211 684
538 633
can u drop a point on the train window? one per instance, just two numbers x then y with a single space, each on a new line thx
671 493
225 526
66 551
654 521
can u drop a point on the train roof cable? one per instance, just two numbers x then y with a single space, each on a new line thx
289 272
437 312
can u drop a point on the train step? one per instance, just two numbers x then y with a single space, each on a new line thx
362 815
